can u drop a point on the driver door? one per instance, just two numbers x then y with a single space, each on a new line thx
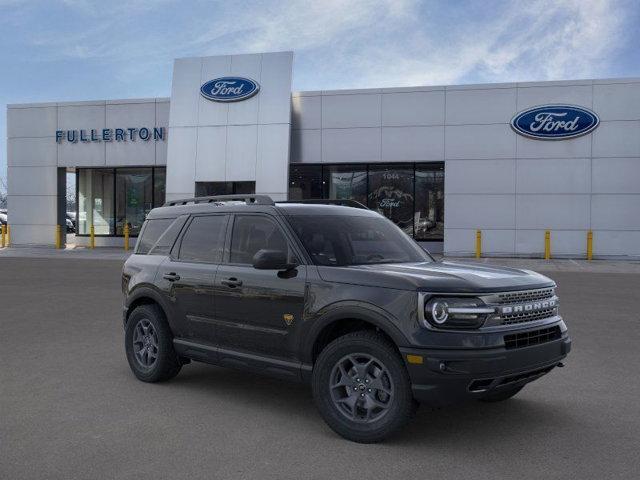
257 310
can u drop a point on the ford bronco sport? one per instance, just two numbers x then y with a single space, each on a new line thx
335 296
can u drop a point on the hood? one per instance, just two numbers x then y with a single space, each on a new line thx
449 277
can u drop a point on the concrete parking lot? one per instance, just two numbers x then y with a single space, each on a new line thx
70 408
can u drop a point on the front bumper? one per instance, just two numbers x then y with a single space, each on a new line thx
449 376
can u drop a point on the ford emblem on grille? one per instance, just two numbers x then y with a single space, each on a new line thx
229 89
555 122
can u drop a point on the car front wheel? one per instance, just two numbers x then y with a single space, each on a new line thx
149 345
362 388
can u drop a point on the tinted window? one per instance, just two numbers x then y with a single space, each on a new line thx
391 194
168 238
204 239
305 181
346 182
354 240
429 214
209 189
152 232
252 233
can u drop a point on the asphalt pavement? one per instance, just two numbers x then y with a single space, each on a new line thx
71 409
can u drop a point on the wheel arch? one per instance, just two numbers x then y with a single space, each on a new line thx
144 296
345 319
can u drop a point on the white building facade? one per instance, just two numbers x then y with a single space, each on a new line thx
512 160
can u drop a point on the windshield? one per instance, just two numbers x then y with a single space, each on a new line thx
337 240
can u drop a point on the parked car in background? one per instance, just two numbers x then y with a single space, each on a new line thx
71 228
3 217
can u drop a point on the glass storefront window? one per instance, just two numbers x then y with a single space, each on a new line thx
391 193
429 213
109 197
410 194
210 189
95 201
305 182
159 186
345 182
134 198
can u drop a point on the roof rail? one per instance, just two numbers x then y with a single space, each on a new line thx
330 201
248 199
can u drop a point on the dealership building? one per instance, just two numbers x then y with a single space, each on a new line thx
512 160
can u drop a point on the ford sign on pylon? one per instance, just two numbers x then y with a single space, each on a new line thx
555 122
229 89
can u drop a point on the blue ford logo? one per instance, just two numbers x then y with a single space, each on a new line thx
229 89
555 122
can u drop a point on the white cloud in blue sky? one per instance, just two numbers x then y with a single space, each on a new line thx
86 49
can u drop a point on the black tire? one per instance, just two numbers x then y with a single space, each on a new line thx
400 405
166 363
501 395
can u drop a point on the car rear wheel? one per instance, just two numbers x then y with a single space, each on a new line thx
501 395
362 388
149 345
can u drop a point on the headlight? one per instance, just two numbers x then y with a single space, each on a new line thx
455 312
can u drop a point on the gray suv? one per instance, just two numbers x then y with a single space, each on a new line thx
332 294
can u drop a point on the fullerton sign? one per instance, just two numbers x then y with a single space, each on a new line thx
555 122
110 135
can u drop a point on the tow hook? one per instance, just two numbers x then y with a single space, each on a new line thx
560 365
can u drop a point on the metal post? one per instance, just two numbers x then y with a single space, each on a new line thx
58 237
589 245
547 244
92 237
8 235
478 243
4 235
126 236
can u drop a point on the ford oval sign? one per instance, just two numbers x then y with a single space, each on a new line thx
555 122
229 89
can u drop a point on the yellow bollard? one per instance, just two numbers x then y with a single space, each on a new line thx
126 237
589 245
58 237
92 237
8 235
547 244
4 235
478 243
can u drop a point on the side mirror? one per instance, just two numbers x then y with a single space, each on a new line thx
272 260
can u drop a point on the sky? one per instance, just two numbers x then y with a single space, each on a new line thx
88 50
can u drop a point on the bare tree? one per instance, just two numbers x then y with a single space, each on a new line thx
3 193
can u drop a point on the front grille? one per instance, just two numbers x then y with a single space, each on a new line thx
522 317
534 337
525 296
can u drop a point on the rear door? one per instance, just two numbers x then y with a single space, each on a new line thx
187 276
257 310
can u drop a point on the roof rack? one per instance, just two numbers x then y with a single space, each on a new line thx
248 199
329 201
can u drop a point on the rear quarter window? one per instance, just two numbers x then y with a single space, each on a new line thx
151 232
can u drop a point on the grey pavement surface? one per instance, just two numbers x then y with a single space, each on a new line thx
71 409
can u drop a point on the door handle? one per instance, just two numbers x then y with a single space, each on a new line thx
231 282
172 277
